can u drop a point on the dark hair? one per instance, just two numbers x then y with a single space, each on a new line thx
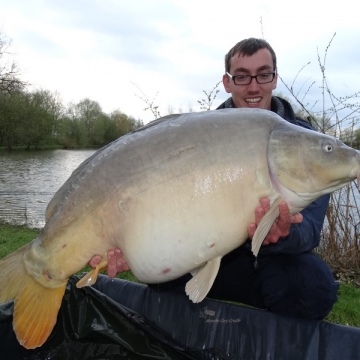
249 47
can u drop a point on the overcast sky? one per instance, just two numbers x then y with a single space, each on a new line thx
99 49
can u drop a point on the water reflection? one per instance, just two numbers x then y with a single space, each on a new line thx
28 180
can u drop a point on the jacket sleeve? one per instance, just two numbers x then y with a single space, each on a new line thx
304 236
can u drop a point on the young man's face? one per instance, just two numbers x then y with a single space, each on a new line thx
253 95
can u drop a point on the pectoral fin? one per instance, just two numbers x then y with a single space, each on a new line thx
265 225
203 278
91 277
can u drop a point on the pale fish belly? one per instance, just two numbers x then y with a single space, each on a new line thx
175 228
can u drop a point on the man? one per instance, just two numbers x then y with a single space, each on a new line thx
287 278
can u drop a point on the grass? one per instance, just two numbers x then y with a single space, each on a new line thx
12 237
346 311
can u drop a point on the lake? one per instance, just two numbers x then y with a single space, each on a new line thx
29 179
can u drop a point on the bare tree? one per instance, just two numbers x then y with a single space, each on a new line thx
205 104
150 104
9 71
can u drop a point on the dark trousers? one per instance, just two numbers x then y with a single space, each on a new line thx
300 285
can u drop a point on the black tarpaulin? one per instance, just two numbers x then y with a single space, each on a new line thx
92 326
117 319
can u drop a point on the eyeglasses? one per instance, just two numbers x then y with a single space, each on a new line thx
262 78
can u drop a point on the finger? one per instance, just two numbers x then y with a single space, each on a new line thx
283 229
259 214
251 230
118 255
270 239
95 261
284 211
273 235
297 218
125 266
111 269
284 221
265 204
121 264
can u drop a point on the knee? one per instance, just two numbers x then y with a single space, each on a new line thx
316 300
308 289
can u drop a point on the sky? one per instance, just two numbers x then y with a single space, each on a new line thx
120 52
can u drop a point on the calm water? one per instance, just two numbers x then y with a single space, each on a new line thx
28 180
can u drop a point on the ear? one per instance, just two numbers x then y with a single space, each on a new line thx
226 83
275 81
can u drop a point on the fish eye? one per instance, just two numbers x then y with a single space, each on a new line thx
328 147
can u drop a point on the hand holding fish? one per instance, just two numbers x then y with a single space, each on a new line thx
281 226
116 262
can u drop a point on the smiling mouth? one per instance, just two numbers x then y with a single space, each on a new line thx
253 100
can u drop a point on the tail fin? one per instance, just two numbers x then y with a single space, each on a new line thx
36 307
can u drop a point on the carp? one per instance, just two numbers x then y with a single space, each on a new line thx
175 196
